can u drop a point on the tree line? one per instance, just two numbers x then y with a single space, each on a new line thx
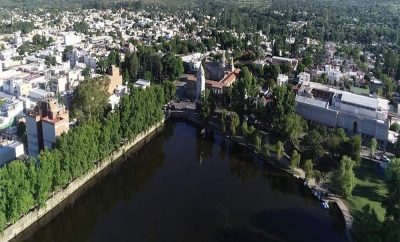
25 185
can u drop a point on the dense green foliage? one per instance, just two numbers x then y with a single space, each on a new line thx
27 184
24 27
207 105
367 227
308 169
344 179
392 202
295 160
91 98
81 27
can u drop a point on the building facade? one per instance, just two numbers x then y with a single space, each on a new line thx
357 114
44 124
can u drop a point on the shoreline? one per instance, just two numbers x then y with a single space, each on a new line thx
37 217
344 210
56 202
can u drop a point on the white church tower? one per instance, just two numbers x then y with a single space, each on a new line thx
201 82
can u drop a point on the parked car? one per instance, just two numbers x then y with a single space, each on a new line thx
385 158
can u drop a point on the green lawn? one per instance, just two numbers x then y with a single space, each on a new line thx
370 189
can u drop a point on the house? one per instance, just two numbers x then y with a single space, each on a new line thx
142 84
282 80
304 77
115 79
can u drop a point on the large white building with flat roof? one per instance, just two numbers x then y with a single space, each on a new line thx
357 114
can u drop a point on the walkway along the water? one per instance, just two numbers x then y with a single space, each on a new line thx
283 164
36 214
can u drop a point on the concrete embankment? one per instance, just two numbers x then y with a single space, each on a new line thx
58 198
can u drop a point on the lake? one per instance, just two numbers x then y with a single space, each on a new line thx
180 187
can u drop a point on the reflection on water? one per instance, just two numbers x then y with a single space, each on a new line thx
180 187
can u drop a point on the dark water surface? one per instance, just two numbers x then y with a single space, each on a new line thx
179 187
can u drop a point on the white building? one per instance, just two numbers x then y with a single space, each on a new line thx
304 77
9 111
282 80
70 38
357 114
59 84
10 150
119 91
141 83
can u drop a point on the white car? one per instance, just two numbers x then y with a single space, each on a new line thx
385 158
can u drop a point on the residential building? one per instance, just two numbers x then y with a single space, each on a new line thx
9 111
10 150
282 80
304 77
44 124
115 79
142 84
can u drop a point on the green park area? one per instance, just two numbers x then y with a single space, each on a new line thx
370 189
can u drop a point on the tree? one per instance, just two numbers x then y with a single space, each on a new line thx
251 135
244 129
223 120
37 39
50 61
391 60
19 198
366 225
295 160
317 176
102 66
234 123
395 127
126 76
44 177
294 128
207 105
243 94
280 150
392 201
266 150
344 178
172 65
90 99
257 143
372 147
282 105
353 148
169 91
134 66
81 27
309 169
312 145
86 72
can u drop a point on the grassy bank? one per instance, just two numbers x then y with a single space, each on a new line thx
370 189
